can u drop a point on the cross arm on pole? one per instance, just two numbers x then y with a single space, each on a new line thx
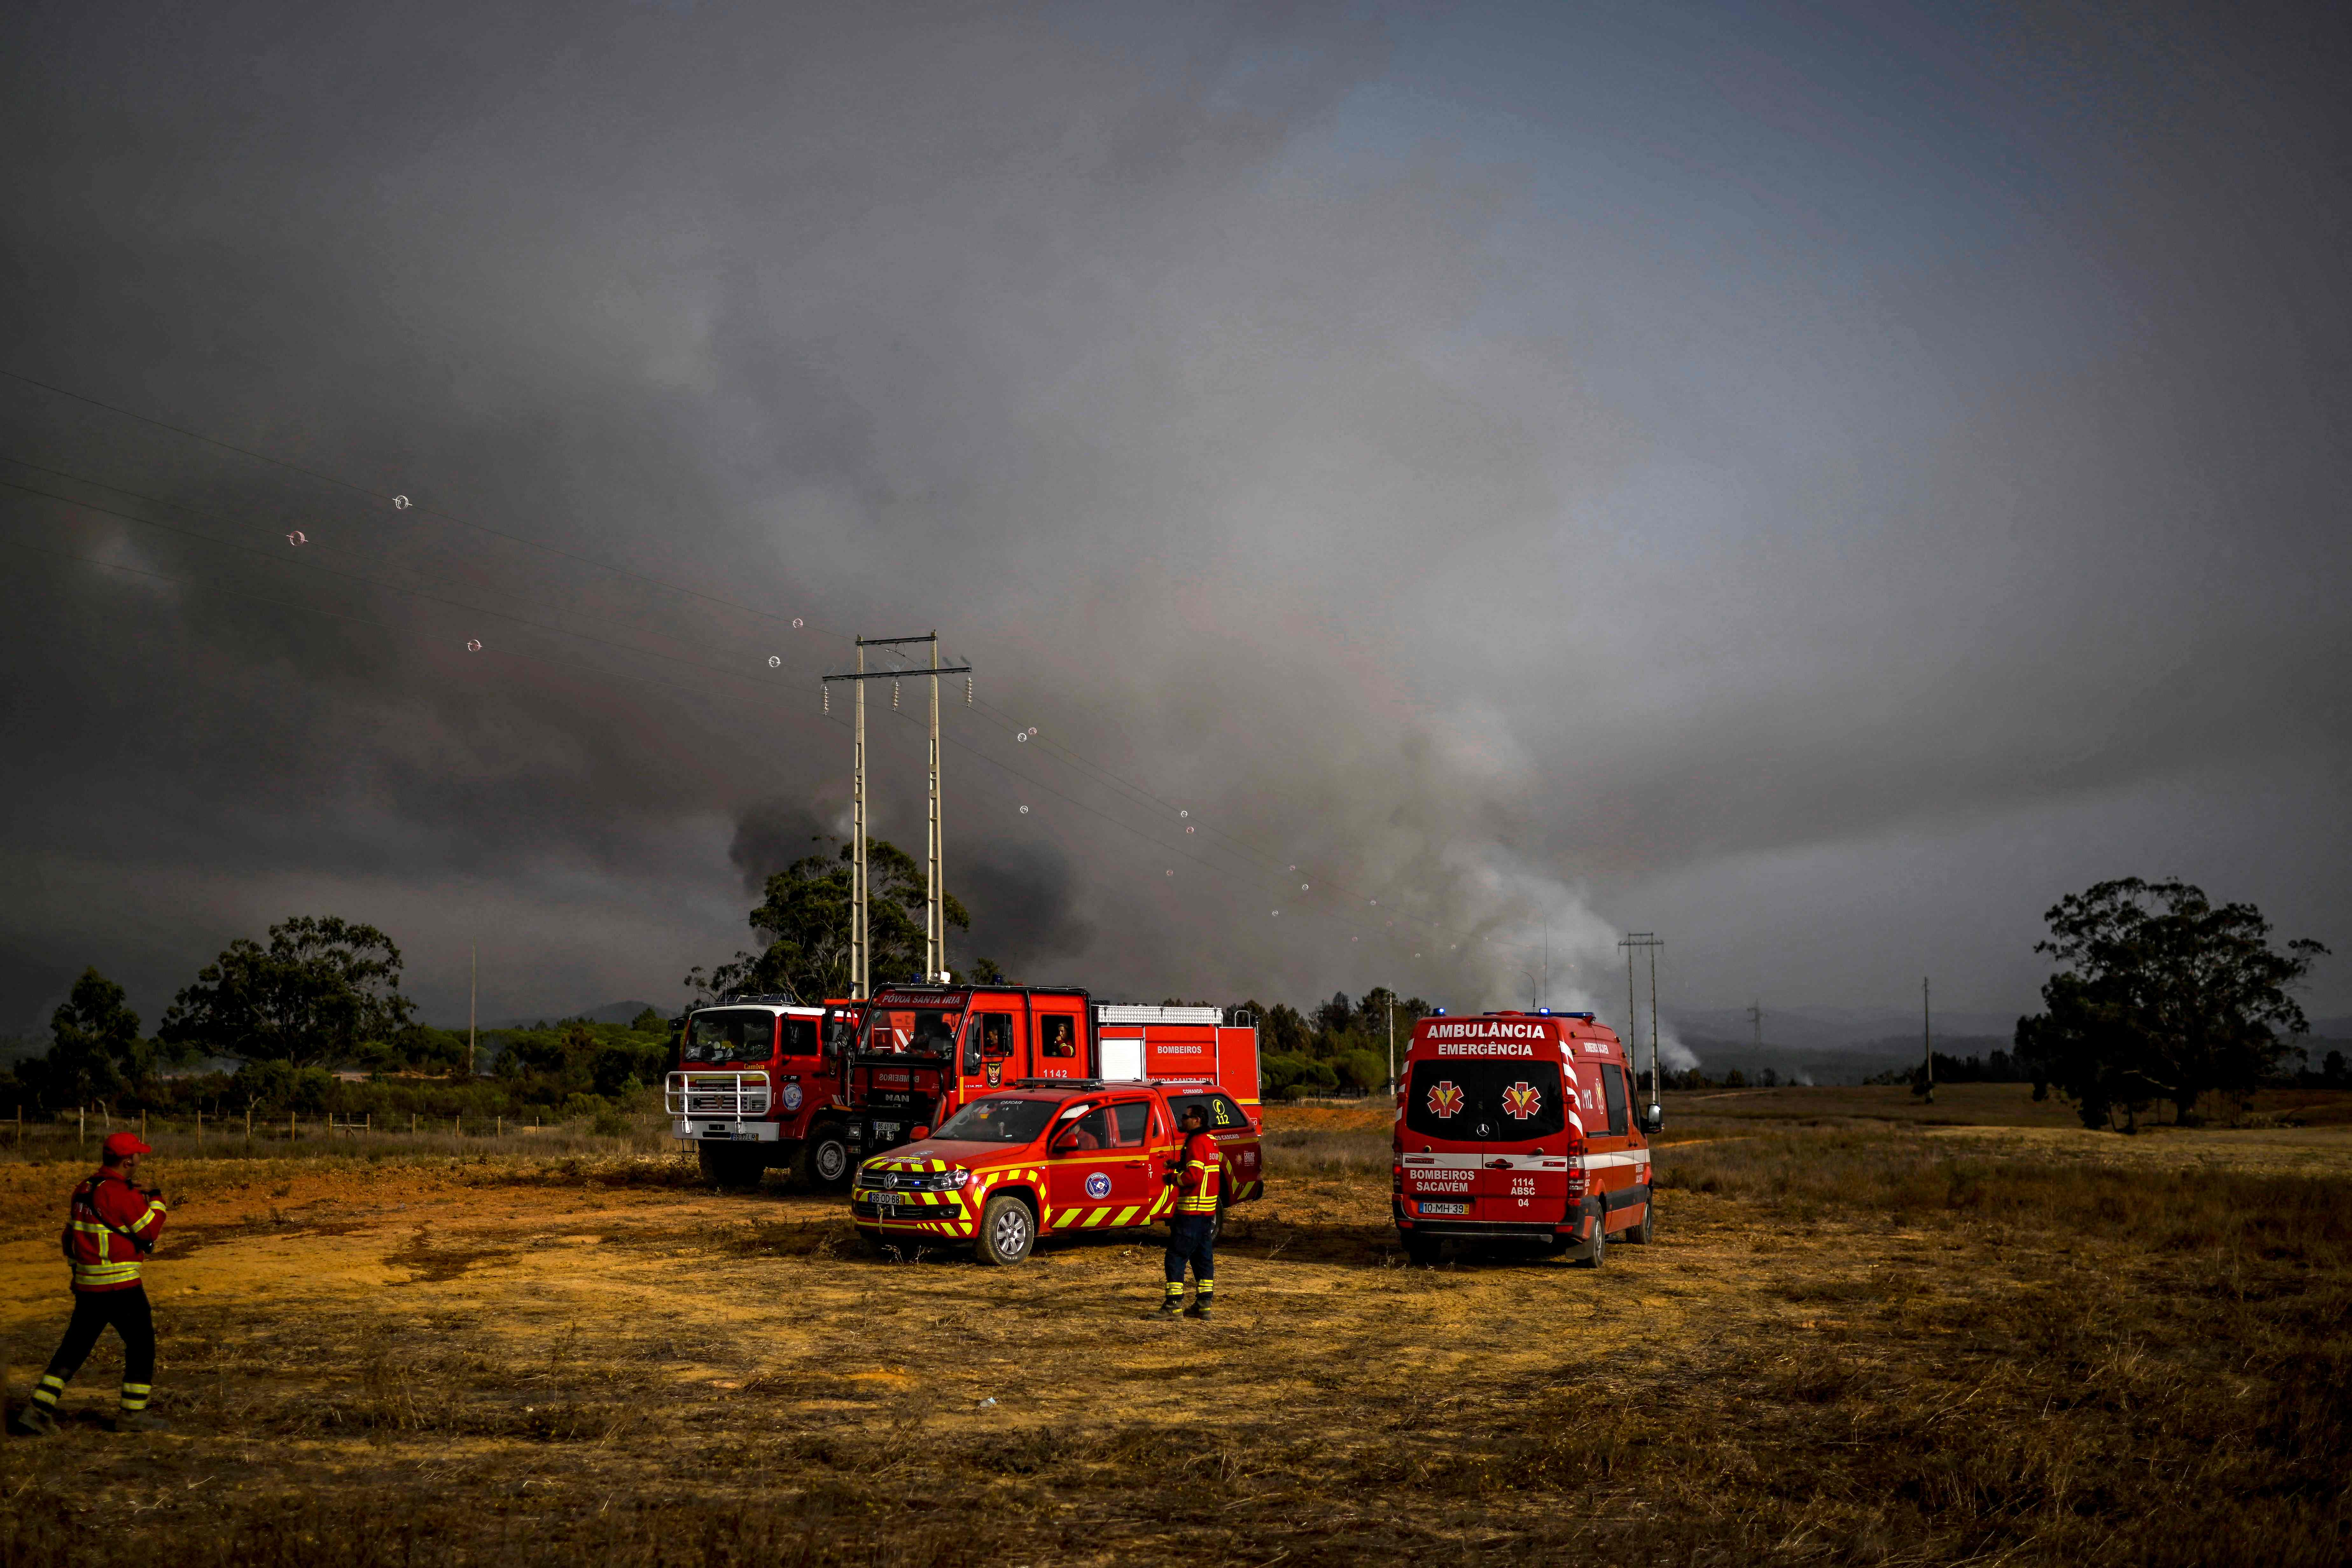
912 673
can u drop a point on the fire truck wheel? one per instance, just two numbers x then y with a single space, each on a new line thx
1007 1231
824 1163
1422 1250
1598 1252
725 1165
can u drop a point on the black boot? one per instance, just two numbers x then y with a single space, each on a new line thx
1200 1307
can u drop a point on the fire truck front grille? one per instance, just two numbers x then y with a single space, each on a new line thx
735 1095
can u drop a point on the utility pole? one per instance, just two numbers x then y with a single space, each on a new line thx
1648 940
473 995
857 830
935 925
1927 1040
1756 1016
861 955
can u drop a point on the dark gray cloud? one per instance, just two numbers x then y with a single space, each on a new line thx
1818 485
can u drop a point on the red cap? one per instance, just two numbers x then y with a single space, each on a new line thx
121 1145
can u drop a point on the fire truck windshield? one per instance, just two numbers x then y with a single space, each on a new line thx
929 1031
999 1119
1485 1103
731 1035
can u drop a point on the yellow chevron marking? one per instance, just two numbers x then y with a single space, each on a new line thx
1127 1214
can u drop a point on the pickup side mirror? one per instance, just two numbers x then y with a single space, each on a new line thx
1654 1120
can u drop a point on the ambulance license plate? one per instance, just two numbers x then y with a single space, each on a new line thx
1445 1208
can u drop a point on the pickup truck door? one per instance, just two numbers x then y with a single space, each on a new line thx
1101 1173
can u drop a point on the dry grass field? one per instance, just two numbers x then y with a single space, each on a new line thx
1868 1333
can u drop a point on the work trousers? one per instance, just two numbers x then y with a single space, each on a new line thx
1192 1238
126 1311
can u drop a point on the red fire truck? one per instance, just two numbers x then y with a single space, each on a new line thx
927 1050
758 1084
1049 1157
1519 1126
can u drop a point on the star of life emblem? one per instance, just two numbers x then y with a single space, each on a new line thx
1522 1100
1445 1099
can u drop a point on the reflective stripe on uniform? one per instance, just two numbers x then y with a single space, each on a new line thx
105 1273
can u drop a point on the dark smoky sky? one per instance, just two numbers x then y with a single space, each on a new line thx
1817 483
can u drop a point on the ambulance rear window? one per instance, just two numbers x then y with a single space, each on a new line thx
1485 1103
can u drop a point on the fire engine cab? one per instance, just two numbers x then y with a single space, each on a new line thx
1521 1126
926 1051
1047 1157
758 1084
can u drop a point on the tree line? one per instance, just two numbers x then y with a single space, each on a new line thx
263 1028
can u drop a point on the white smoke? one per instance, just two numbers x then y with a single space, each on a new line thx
1542 943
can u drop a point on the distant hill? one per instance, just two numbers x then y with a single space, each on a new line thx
1865 1029
1830 1063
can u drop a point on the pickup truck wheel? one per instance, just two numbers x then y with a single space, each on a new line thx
824 1163
1422 1250
1007 1231
726 1166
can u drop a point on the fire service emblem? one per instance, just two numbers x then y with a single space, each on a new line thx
1446 1099
1098 1185
1522 1100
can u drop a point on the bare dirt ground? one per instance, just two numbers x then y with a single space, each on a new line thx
1854 1341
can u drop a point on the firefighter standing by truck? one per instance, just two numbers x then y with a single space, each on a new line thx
112 1225
1197 1175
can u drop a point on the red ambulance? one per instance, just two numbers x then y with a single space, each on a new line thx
1520 1127
758 1084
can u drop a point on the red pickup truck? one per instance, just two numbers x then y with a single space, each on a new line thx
1049 1157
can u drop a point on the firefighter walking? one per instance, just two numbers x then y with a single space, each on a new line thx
1198 1176
112 1226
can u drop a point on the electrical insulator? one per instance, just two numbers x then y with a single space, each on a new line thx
967 690
894 697
828 699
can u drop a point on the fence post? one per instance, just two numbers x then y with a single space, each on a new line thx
290 1127
200 1126
248 1121
81 1125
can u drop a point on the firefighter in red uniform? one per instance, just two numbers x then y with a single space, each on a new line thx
113 1228
1198 1176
